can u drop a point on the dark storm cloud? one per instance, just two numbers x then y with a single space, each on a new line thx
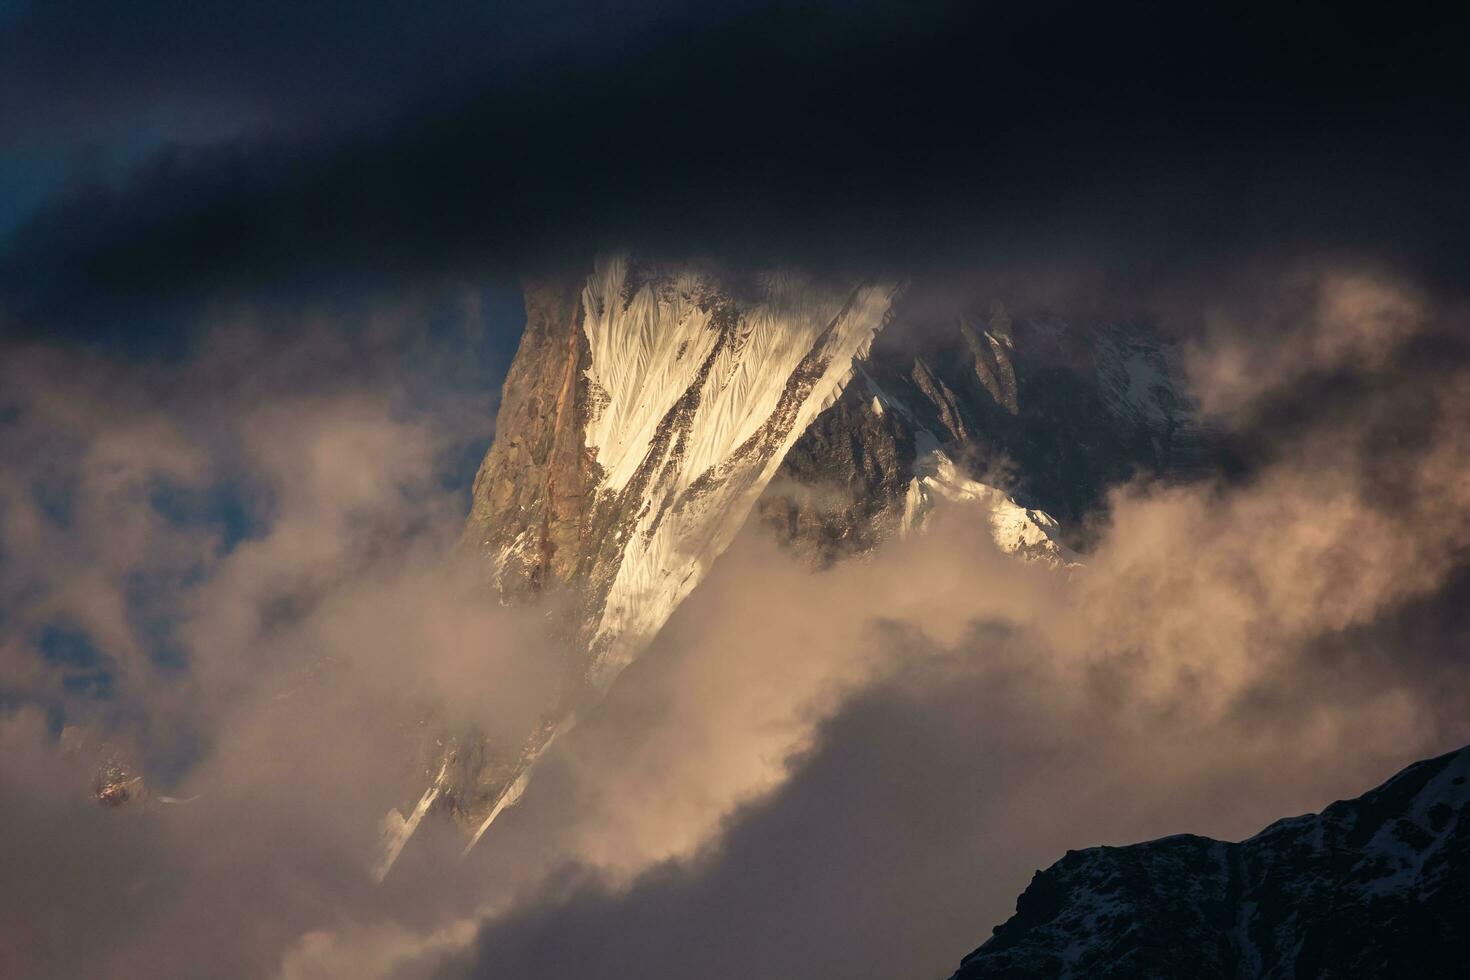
900 135
94 94
87 67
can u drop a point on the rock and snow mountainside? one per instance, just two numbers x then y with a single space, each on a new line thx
651 409
1378 886
645 412
1032 415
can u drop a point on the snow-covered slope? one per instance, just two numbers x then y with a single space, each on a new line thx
694 401
1378 886
1021 531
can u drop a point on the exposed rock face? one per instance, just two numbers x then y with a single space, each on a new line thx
527 501
1378 886
526 518
114 785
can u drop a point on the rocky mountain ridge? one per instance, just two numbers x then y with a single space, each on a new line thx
1045 415
1377 886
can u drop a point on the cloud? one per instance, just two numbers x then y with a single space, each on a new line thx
889 829
1316 321
276 65
854 772
229 575
852 135
847 772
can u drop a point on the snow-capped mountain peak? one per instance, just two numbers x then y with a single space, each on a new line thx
652 408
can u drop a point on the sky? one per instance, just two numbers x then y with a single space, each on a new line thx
259 288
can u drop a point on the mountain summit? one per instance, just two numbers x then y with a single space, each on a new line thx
652 408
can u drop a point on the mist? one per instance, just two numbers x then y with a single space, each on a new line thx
235 572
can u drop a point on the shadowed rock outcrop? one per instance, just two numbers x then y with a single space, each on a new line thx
1378 886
